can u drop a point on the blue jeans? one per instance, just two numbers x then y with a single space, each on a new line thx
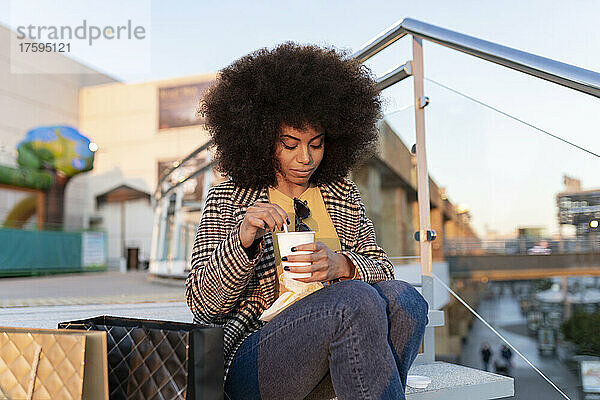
366 336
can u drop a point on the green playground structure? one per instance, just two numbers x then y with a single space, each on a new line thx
47 158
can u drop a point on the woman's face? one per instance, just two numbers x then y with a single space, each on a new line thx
299 153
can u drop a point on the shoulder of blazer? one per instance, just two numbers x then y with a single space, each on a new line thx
237 195
223 188
221 194
343 189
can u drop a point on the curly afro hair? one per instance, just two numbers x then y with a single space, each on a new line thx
299 86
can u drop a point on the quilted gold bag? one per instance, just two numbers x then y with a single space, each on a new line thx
51 364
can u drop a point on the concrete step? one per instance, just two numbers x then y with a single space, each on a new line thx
451 381
448 382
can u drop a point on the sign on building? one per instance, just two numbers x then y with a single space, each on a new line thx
93 249
178 105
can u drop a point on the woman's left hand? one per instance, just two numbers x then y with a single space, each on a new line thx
326 264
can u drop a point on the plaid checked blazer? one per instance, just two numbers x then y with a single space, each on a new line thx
227 289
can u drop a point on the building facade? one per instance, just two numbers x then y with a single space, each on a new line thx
141 130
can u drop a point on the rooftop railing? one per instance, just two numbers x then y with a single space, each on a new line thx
565 75
430 280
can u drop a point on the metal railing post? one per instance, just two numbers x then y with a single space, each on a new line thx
176 229
162 230
423 192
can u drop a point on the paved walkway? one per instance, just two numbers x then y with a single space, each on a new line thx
88 288
504 314
49 316
43 302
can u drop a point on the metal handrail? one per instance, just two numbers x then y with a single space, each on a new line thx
202 169
567 75
394 76
158 191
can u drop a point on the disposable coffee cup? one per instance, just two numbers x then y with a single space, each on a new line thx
291 239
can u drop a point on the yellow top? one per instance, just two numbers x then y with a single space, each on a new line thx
319 221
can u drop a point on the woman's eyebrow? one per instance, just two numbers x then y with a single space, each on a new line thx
316 137
295 138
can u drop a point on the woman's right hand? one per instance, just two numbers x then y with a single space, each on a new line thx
259 218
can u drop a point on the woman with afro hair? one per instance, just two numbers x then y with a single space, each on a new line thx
288 125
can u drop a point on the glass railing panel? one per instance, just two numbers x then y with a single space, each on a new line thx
520 276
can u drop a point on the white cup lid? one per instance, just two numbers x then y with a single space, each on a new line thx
418 381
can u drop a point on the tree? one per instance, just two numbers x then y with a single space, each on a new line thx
582 329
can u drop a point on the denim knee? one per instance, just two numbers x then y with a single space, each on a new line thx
403 294
359 299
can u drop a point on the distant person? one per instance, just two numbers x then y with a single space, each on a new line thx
486 355
506 354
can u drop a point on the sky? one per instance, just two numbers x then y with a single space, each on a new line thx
505 173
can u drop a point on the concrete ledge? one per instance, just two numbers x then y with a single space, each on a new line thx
436 318
451 381
448 381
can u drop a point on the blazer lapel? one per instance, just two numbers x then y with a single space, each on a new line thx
344 214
